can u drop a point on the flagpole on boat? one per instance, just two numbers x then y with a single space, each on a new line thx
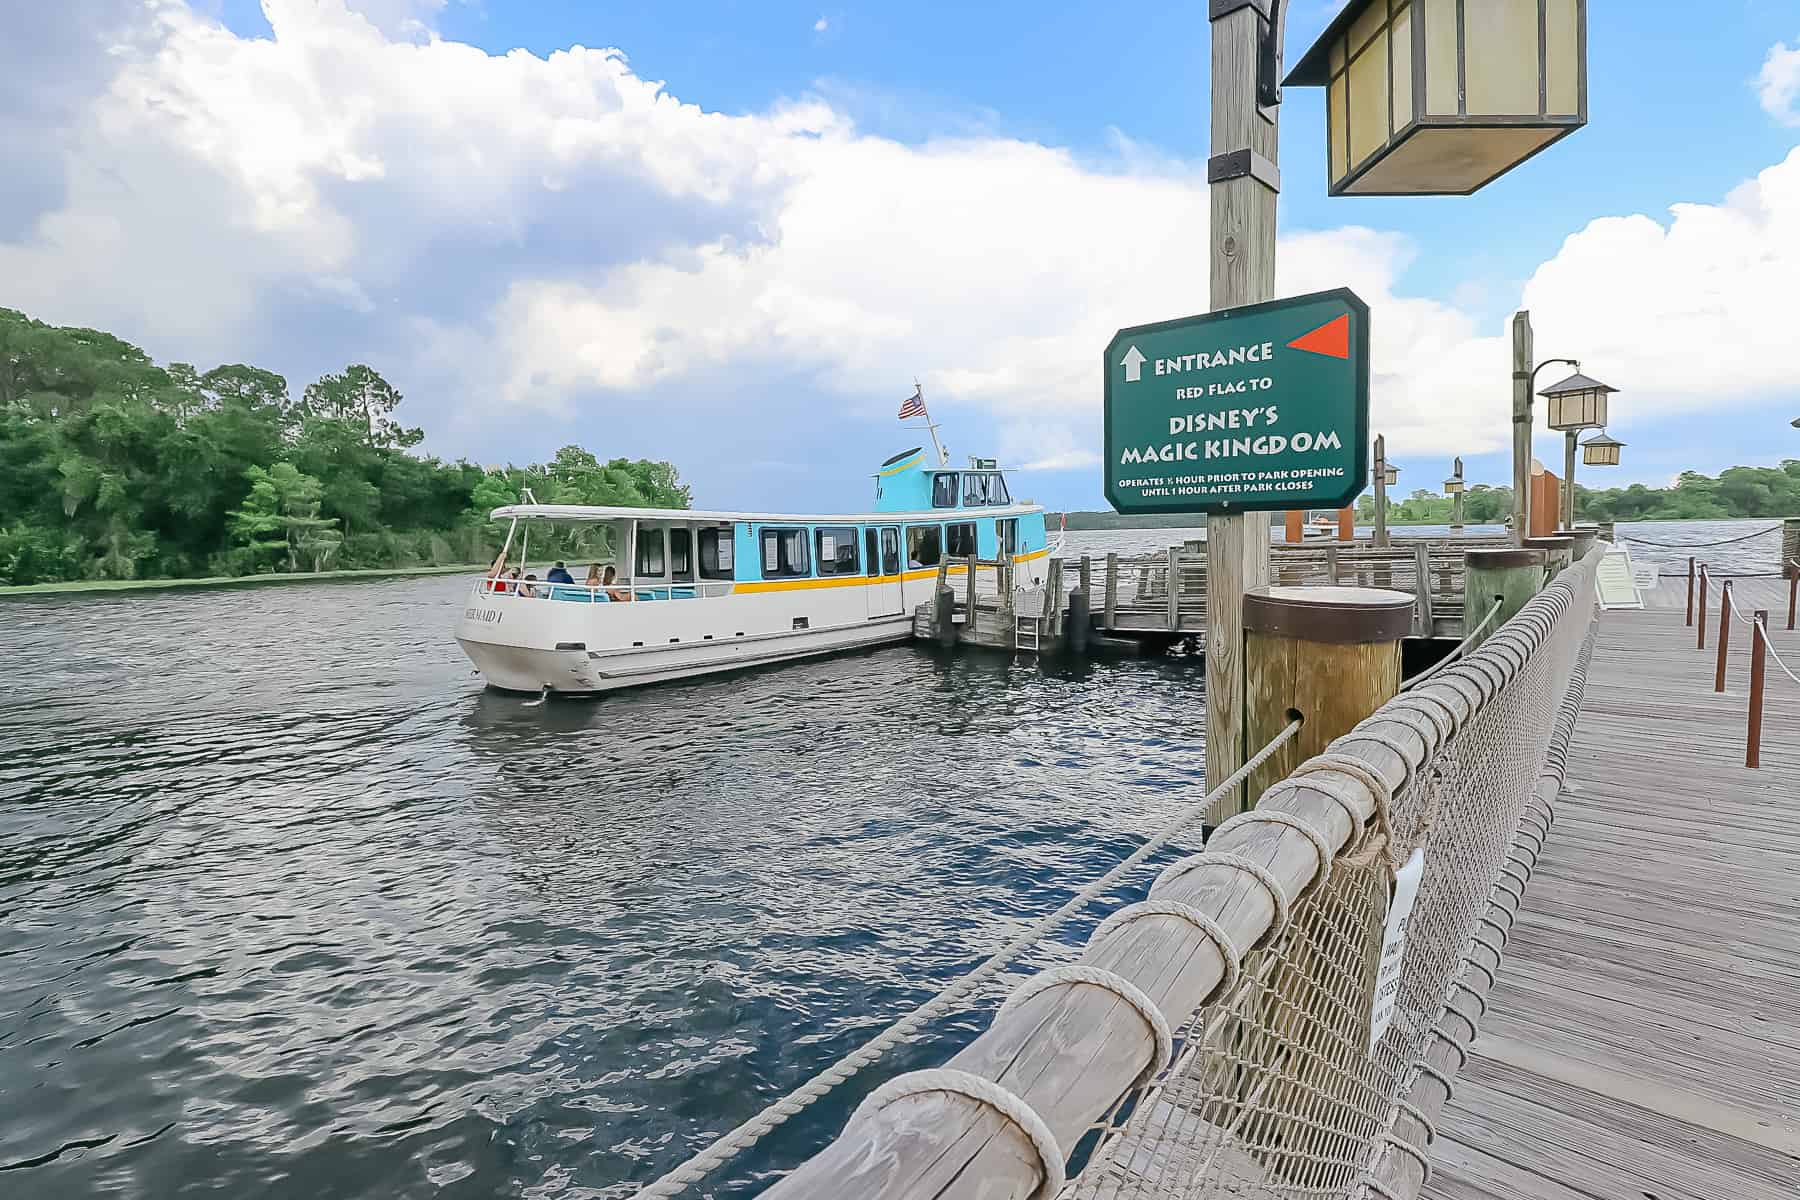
914 406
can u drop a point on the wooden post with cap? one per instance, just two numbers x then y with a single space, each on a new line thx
1329 654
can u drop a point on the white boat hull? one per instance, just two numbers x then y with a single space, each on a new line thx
530 669
530 643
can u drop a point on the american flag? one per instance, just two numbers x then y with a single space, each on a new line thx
913 406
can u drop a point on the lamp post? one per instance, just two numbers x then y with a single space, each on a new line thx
1524 380
1575 404
1454 488
1386 475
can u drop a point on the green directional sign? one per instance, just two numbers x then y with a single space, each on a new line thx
1253 408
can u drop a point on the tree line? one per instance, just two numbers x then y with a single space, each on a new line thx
112 467
1737 492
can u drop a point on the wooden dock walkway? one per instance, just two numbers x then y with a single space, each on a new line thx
1643 1042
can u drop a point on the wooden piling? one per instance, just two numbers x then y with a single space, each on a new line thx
1512 577
1330 654
1294 526
1690 592
1583 540
1559 553
1701 623
1112 590
944 617
1724 634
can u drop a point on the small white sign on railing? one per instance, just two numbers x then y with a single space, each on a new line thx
1393 946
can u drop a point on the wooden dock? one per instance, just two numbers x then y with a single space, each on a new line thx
1643 1042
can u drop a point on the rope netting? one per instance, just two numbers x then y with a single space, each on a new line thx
1276 1090
1278 1079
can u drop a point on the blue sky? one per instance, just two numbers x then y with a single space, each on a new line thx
539 250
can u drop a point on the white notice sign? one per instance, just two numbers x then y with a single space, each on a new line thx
1393 946
1616 582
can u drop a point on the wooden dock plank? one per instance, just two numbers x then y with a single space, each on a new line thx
1644 1040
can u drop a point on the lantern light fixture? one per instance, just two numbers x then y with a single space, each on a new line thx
1577 403
1601 451
1441 97
1454 484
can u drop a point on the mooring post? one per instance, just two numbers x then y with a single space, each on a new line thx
1112 590
1793 588
944 617
1174 605
1759 646
1080 622
1701 623
1509 576
1583 539
1724 634
1690 599
1329 654
1559 552
1422 573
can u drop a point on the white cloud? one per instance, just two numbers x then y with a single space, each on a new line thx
821 25
561 235
1778 85
1695 315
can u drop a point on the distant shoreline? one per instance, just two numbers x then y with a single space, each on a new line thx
92 586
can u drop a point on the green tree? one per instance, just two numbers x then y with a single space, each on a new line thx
281 515
358 395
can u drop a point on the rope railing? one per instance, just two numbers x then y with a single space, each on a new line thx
1626 537
1456 652
1762 650
774 1115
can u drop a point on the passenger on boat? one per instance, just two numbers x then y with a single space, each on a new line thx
615 593
525 588
558 574
592 583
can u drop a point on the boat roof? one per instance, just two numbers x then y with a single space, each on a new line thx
585 512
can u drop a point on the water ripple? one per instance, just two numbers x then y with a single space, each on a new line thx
294 908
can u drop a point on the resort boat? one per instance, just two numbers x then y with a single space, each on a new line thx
698 592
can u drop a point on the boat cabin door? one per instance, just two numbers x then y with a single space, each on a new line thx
882 551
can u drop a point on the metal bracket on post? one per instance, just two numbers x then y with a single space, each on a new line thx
1268 66
1235 164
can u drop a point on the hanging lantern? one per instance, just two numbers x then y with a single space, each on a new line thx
1454 485
1392 475
1577 403
1441 97
1601 451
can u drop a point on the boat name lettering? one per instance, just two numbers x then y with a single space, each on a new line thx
487 616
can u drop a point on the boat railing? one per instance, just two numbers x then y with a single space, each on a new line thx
618 592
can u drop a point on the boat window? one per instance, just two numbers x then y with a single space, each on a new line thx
997 493
649 554
959 540
890 551
837 550
784 554
681 555
716 555
872 548
1009 537
975 490
943 490
924 545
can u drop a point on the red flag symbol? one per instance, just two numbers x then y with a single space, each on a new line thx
1331 339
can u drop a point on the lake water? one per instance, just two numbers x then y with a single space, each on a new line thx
294 908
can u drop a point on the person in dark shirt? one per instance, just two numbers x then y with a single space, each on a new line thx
558 574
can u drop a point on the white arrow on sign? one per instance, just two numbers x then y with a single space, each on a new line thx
1133 363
